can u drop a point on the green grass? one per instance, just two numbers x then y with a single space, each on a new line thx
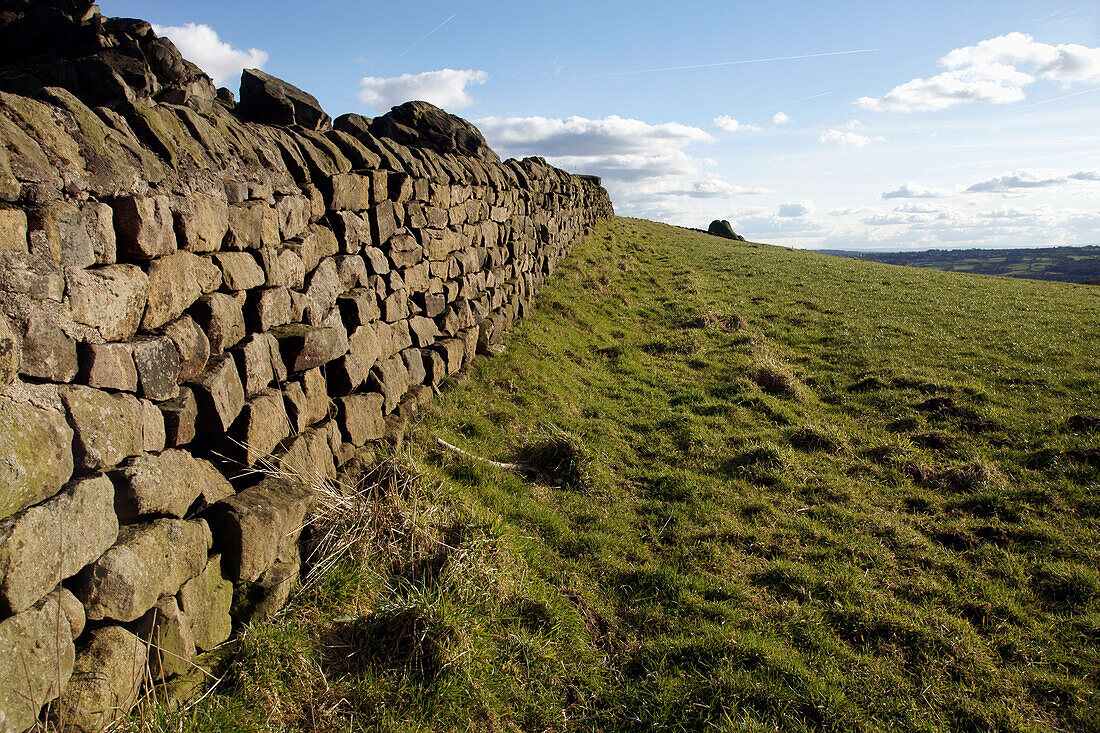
785 492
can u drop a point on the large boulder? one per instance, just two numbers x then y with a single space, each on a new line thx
267 99
722 228
423 125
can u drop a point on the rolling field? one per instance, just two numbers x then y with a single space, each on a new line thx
754 489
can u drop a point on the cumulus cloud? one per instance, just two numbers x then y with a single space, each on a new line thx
995 70
445 88
1029 178
199 43
580 136
795 208
779 118
726 123
916 191
844 138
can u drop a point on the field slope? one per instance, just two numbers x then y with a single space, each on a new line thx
766 489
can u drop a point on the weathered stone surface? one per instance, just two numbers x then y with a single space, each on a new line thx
107 427
262 599
309 455
254 362
265 98
192 345
158 367
106 679
283 268
54 540
180 418
240 271
219 394
256 525
108 366
404 250
169 483
47 352
350 192
294 214
307 400
175 282
206 600
149 560
360 417
396 306
221 317
99 223
36 657
144 226
246 225
152 427
352 230
202 222
270 308
261 426
13 230
424 331
11 353
453 351
167 631
358 307
74 612
306 347
391 378
385 219
423 125
36 456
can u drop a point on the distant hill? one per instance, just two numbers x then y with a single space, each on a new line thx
1064 264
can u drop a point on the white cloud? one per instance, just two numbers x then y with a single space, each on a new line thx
445 88
995 70
1031 178
728 124
199 43
795 208
844 138
580 136
779 118
916 191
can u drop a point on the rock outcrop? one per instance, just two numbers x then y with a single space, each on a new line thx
722 228
189 288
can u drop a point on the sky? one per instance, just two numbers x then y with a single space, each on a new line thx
840 125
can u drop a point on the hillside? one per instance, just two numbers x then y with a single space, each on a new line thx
1064 264
767 489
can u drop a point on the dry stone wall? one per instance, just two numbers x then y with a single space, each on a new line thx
184 294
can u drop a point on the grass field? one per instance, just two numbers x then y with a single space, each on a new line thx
1064 264
764 489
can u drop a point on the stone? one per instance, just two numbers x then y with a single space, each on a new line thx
350 192
273 101
158 367
269 308
261 426
306 347
358 307
36 662
206 600
360 417
396 306
167 631
352 271
143 225
255 526
150 560
379 263
73 611
453 351
385 219
180 418
11 353
424 331
36 457
107 427
294 214
175 282
351 229
192 345
106 679
152 428
219 394
47 353
423 125
99 222
240 271
13 230
414 364
322 290
108 366
254 362
309 456
202 222
262 599
722 228
57 228
110 299
53 540
221 317
246 225
391 378
283 268
168 483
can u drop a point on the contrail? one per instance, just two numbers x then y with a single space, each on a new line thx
734 63
801 99
1059 99
418 40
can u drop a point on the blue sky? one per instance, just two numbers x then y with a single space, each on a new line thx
857 125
